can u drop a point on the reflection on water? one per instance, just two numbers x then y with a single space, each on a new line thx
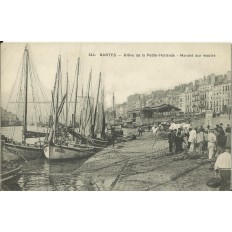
45 175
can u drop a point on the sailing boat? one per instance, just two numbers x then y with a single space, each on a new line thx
27 72
92 129
98 137
57 148
115 131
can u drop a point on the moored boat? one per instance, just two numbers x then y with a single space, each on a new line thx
10 176
24 97
28 152
58 147
58 152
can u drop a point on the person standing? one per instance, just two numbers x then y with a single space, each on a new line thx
170 141
228 129
211 143
200 141
221 140
205 143
153 128
202 129
192 140
228 141
113 135
173 141
221 127
223 167
155 132
185 142
179 141
140 130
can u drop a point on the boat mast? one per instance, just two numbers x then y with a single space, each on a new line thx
113 110
57 97
75 103
140 106
95 113
81 111
67 102
87 117
103 113
25 96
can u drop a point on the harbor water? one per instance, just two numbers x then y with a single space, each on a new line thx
140 164
45 175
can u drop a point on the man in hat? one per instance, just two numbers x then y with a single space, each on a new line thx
155 132
221 126
228 140
200 140
172 141
179 140
223 167
140 130
228 129
201 129
211 143
228 135
192 140
220 135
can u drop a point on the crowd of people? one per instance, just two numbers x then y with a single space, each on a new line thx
200 140
213 143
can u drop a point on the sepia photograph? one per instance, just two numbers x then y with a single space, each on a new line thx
115 117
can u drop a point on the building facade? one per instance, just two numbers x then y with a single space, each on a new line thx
212 92
8 118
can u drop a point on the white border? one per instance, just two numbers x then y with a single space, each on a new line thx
115 21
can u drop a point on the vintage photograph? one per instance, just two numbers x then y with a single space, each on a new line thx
115 117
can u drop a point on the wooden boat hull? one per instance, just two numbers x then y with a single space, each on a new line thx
98 142
26 151
93 142
57 152
11 177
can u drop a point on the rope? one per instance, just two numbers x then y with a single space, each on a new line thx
18 96
19 152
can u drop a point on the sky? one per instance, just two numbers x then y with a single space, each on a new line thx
123 75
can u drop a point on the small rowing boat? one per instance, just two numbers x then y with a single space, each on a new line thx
10 176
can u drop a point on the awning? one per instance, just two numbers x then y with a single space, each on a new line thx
161 108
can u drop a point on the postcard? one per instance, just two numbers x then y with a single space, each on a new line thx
115 116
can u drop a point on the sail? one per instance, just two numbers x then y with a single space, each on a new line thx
99 121
28 99
88 116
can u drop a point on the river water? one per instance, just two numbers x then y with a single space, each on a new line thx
42 174
46 175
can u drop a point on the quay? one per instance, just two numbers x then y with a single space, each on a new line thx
141 166
136 165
